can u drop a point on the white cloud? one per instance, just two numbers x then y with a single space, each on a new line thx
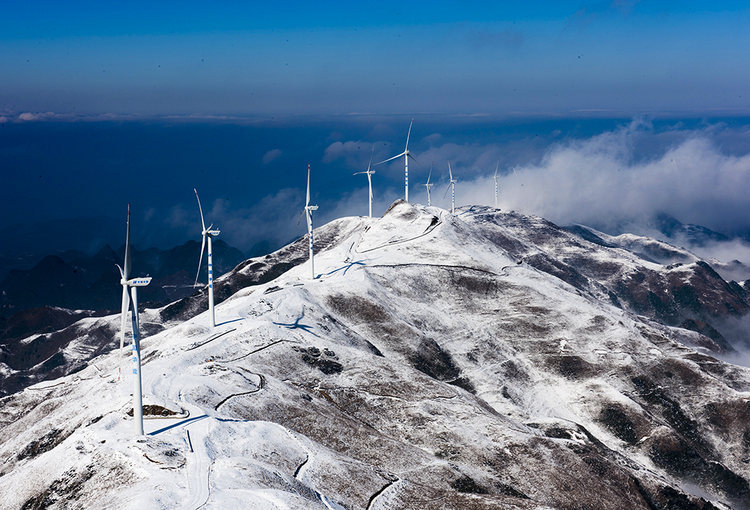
602 182
433 138
29 116
271 156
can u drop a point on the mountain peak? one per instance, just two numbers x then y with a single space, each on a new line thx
423 363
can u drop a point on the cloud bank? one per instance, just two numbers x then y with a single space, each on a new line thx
605 182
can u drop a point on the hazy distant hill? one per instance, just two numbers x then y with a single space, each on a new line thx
76 281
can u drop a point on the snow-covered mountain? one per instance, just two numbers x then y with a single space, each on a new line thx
487 360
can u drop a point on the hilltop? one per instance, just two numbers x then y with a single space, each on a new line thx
486 360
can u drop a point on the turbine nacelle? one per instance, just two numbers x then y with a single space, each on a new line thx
139 282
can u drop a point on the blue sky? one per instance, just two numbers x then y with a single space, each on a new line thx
249 58
108 103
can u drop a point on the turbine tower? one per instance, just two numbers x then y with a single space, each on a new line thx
124 274
429 185
452 186
133 284
406 154
308 213
369 179
498 166
207 233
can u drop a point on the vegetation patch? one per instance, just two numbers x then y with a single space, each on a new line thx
507 490
154 410
67 489
44 444
465 383
432 360
670 410
324 360
467 484
571 367
618 423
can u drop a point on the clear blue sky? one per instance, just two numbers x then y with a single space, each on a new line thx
547 88
246 58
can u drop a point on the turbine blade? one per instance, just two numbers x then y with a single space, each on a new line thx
203 224
415 160
430 174
123 319
307 202
408 135
126 268
449 170
200 261
371 155
498 166
446 191
390 159
125 303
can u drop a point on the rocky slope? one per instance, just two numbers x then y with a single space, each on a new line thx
488 360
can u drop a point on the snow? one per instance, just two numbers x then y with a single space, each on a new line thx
265 422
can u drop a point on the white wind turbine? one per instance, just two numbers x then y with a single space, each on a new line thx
452 186
207 233
406 154
369 179
133 284
498 166
429 185
308 213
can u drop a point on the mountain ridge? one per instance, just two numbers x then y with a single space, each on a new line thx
474 361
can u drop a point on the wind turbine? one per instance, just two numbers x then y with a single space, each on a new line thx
369 179
452 186
498 166
133 284
429 185
207 234
308 213
406 154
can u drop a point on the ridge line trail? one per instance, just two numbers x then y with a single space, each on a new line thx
302 468
199 468
197 427
305 466
391 487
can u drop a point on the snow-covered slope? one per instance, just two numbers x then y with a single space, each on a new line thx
426 367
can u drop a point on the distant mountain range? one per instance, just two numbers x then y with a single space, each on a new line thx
76 281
